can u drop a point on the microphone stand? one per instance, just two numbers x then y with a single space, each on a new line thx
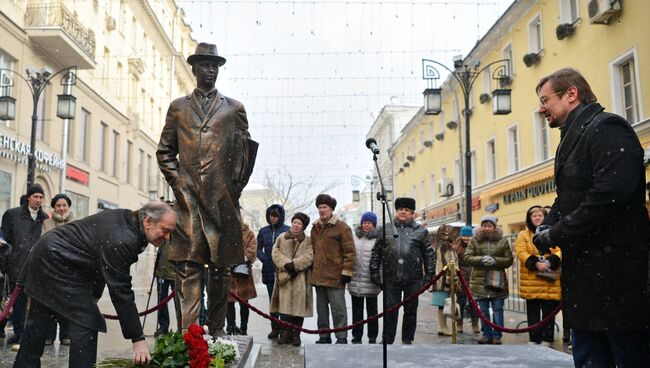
381 196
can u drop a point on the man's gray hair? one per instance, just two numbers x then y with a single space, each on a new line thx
155 209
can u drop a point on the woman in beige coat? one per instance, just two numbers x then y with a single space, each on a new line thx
293 257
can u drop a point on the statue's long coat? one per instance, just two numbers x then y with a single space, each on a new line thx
207 159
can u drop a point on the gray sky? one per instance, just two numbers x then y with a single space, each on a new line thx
313 75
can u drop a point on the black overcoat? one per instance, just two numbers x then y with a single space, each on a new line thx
600 222
70 265
22 232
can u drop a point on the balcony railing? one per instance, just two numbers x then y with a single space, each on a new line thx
58 16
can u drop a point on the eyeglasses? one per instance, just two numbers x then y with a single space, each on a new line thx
544 100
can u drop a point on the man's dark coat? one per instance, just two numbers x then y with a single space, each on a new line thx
600 222
69 266
207 159
22 232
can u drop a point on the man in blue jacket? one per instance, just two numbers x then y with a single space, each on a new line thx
265 240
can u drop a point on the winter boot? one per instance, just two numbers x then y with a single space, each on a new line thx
296 338
443 329
475 327
459 326
284 337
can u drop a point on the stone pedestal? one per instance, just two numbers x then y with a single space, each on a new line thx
449 356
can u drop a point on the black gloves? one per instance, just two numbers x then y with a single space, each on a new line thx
542 239
291 269
346 279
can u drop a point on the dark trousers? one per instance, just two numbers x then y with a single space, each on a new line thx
218 289
18 314
231 315
537 310
622 349
163 286
63 330
269 288
357 315
83 341
409 321
298 321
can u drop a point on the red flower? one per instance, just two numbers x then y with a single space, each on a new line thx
197 347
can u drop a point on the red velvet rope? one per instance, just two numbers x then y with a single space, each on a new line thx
392 309
487 321
10 304
150 310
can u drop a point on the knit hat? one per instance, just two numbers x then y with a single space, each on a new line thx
493 219
466 231
60 196
326 199
35 188
405 202
302 217
369 216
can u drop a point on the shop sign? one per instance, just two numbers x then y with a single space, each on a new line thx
445 211
77 175
491 208
530 192
15 150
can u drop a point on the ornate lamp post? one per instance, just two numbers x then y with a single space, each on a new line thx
37 81
466 75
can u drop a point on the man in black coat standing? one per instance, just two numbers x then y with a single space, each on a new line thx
22 227
600 222
66 273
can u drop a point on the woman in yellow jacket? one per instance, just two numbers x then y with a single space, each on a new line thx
539 278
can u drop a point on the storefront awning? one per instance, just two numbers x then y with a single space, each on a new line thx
510 185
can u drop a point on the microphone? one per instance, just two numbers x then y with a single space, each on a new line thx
371 143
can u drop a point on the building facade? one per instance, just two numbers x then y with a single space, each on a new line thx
130 59
512 155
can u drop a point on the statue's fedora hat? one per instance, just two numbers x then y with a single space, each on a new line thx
206 51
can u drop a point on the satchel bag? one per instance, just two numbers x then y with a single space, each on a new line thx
6 296
446 310
496 280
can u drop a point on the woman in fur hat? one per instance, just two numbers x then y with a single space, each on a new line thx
489 254
292 298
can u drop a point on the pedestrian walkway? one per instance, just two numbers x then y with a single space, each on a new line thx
271 355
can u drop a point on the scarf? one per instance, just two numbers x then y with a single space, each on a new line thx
300 237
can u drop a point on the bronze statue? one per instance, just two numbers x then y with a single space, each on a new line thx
207 157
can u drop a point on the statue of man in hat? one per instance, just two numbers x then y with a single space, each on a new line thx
207 156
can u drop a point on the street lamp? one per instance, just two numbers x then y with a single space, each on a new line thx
466 76
37 81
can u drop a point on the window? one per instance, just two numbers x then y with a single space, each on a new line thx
542 140
441 123
79 205
423 190
114 149
513 149
473 159
568 11
148 173
455 109
103 138
5 191
106 67
626 88
458 175
40 118
421 138
507 54
432 188
129 162
5 63
491 161
487 81
535 35
120 83
82 136
141 169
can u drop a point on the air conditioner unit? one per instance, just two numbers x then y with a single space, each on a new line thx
445 188
603 11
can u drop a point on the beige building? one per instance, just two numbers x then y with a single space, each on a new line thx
130 59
